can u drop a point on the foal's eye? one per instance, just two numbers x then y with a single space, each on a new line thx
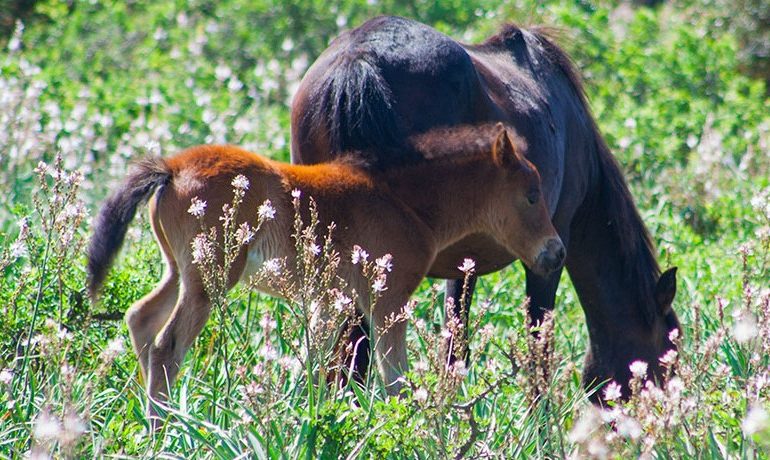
533 196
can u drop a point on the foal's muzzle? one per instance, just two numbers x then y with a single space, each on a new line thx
551 257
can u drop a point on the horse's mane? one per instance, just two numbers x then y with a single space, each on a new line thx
637 251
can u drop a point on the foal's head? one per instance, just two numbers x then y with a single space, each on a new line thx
522 218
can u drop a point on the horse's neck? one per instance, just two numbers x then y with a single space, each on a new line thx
449 197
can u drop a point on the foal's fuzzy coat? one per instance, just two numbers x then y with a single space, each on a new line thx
495 185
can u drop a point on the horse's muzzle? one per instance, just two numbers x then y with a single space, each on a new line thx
551 258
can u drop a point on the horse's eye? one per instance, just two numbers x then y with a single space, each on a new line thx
533 196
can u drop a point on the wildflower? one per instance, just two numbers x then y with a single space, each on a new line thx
673 335
612 392
745 328
240 182
459 368
18 249
267 323
468 266
244 234
359 255
152 147
421 395
201 248
638 369
266 211
6 376
668 358
72 428
628 427
314 249
341 301
420 366
197 208
756 420
296 193
269 353
446 333
114 348
47 426
584 426
385 262
272 267
379 284
675 386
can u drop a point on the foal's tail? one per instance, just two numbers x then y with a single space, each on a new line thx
110 226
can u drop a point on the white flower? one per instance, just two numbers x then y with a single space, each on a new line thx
314 249
296 193
266 211
113 349
668 358
152 147
459 368
244 234
240 182
18 249
6 376
197 208
612 392
201 248
673 335
268 323
341 301
628 427
585 425
756 420
272 267
379 284
358 255
638 369
468 266
421 395
385 262
745 328
675 386
47 426
269 353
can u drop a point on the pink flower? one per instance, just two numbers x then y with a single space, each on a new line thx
197 208
612 392
468 266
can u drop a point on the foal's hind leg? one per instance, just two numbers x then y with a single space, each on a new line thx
177 335
148 315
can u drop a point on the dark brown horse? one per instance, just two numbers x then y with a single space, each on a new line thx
393 77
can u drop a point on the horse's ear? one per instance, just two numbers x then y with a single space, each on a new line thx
665 290
503 150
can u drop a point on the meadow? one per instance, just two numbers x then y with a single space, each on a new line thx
88 86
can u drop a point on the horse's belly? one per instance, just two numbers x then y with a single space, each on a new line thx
488 255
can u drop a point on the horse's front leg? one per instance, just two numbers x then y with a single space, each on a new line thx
461 294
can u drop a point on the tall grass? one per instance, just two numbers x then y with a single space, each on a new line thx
78 102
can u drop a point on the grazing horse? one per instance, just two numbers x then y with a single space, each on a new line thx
392 77
472 167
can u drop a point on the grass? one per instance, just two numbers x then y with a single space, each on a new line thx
84 89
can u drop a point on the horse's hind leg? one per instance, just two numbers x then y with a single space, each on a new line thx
148 315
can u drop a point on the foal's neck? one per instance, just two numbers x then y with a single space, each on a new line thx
450 196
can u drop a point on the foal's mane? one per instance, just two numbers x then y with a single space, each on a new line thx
637 251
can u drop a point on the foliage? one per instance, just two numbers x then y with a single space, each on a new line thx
86 87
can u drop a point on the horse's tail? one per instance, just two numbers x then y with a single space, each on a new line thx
356 105
612 195
147 176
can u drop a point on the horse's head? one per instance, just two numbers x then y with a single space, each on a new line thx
524 224
645 341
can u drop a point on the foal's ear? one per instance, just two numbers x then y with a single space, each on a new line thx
665 290
503 150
